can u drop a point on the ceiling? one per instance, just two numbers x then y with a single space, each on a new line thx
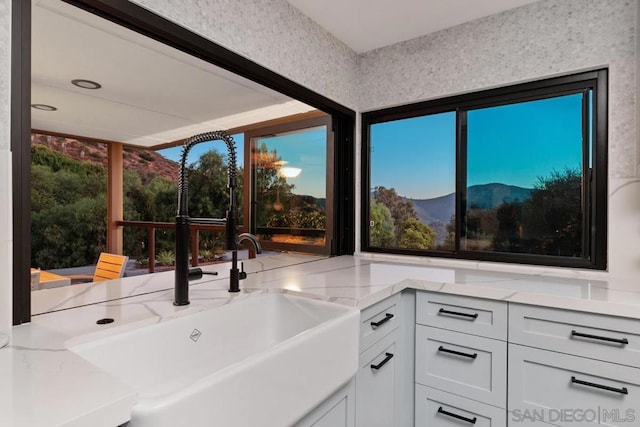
364 25
151 94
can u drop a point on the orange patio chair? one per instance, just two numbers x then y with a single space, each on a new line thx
109 267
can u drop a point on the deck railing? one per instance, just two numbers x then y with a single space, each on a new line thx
194 238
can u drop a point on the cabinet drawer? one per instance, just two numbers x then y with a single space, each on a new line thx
612 339
378 384
475 316
378 320
435 408
567 390
462 364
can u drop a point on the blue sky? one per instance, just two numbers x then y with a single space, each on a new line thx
521 142
305 150
415 156
512 144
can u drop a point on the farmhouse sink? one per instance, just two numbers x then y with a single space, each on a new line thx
264 360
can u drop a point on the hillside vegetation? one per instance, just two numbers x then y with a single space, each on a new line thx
69 206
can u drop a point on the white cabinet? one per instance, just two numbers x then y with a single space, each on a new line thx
379 319
378 384
436 360
436 408
608 338
466 365
384 379
568 390
560 370
475 316
460 361
336 411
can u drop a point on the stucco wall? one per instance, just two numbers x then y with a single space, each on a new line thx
276 36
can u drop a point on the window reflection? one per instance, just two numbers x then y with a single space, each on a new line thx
290 186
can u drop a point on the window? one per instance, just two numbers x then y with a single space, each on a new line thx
291 186
515 174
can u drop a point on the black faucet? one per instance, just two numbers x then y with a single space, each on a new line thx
182 272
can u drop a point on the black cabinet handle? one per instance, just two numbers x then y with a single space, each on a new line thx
622 341
379 323
388 356
458 353
459 417
622 390
457 313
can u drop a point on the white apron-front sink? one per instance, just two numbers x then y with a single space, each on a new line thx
264 361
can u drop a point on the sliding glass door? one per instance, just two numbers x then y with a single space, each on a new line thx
291 185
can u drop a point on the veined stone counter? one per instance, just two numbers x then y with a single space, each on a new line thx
43 384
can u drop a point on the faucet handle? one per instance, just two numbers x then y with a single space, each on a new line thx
242 275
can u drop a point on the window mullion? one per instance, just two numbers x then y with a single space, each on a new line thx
461 176
586 175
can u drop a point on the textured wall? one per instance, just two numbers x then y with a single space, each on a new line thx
538 40
276 36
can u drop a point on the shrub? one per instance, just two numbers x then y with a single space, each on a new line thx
166 258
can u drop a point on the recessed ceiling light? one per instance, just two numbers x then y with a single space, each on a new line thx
43 107
86 84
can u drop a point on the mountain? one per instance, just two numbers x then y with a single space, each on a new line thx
489 196
438 209
485 196
147 163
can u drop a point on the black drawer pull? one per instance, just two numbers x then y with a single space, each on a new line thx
460 417
622 341
379 323
457 313
457 353
388 356
622 390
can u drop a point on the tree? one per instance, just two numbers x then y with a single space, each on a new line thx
381 234
409 231
208 192
70 235
271 187
548 223
416 235
401 209
553 214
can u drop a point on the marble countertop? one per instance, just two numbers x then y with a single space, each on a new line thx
44 384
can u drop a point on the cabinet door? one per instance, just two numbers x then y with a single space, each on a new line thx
570 391
462 364
336 411
435 408
378 320
469 315
608 338
378 383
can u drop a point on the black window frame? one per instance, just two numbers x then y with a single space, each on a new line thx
595 229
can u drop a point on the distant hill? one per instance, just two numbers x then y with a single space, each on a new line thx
486 196
489 196
436 209
147 163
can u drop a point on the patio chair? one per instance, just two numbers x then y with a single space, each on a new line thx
109 267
